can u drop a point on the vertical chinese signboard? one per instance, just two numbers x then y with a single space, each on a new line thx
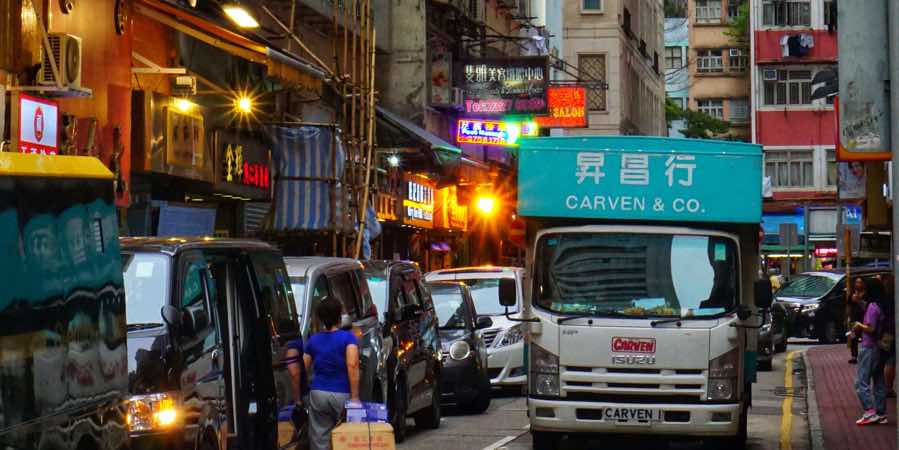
448 213
500 86
418 205
567 108
441 92
243 164
36 124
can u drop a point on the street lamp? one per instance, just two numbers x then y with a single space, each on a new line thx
486 205
393 160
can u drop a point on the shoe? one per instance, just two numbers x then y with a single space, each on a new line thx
866 419
853 361
882 420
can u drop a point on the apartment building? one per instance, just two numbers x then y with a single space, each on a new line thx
719 67
677 71
619 43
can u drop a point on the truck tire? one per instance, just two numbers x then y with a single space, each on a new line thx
545 440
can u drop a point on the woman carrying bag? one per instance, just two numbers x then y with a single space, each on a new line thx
333 357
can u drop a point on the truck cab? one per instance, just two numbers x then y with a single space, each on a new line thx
640 301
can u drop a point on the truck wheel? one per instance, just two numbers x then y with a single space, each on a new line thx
545 440
429 418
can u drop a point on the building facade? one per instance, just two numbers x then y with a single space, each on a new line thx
677 69
616 47
719 67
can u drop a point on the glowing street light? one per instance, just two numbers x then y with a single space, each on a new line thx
393 160
486 204
184 105
240 15
244 104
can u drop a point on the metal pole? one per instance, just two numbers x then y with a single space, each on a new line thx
893 24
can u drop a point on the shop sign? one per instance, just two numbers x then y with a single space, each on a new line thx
418 206
448 213
489 132
441 79
242 162
567 107
385 207
826 252
500 86
185 138
38 119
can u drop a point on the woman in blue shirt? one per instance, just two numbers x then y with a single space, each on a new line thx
333 357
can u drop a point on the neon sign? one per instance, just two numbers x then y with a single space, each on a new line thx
238 170
38 119
488 132
567 107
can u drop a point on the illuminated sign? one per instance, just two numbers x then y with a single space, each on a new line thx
487 132
825 252
499 86
418 206
238 170
38 119
567 107
448 213
242 164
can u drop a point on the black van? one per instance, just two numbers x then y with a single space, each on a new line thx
208 324
411 340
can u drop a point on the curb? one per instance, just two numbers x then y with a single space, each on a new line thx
816 433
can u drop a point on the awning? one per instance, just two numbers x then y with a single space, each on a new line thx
420 134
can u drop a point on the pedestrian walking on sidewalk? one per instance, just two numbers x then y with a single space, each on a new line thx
333 357
857 303
869 377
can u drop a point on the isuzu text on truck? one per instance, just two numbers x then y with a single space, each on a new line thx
642 288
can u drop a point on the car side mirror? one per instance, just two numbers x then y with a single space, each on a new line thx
762 292
410 312
172 318
508 294
484 322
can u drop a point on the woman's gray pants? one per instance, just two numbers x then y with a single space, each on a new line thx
325 409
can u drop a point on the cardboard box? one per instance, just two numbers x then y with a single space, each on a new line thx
363 436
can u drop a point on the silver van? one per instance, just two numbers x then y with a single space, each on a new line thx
314 278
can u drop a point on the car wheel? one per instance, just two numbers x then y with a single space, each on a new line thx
828 333
481 402
545 440
429 418
397 411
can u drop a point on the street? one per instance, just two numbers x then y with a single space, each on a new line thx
505 424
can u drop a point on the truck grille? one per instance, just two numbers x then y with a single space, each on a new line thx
627 384
489 336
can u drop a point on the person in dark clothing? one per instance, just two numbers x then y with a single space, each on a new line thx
889 308
857 302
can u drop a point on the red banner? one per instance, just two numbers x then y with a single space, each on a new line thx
567 108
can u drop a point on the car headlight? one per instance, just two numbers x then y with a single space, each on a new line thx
511 336
544 376
460 350
810 307
723 372
153 412
766 328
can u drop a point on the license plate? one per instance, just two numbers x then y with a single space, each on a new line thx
631 416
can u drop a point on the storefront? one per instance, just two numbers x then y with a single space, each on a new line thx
449 239
243 181
409 236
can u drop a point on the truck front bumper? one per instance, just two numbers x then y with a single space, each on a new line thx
676 419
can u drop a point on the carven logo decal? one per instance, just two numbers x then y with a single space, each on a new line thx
633 345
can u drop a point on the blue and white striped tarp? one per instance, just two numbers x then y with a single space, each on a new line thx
300 153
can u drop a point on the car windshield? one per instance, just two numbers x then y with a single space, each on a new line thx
807 286
377 285
146 287
637 274
485 293
450 306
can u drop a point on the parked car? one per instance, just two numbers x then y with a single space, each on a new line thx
772 335
815 303
208 326
464 379
412 341
314 278
505 346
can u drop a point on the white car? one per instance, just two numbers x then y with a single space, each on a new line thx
504 339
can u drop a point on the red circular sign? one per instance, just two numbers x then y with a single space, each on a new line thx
38 124
516 232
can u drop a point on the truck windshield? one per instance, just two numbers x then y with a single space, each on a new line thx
146 288
653 275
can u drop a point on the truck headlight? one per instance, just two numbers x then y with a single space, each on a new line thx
460 350
544 374
153 412
723 373
511 336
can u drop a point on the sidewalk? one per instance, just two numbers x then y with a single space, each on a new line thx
838 407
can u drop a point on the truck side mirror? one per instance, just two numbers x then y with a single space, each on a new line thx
763 296
508 294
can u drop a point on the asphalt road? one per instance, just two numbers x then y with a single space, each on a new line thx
505 424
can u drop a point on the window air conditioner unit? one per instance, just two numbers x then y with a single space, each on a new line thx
66 53
769 75
735 52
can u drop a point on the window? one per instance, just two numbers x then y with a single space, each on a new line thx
343 288
712 106
790 168
276 295
709 61
787 87
592 68
739 110
368 306
831 168
626 24
733 9
830 13
787 13
737 61
679 101
674 57
591 5
200 337
708 11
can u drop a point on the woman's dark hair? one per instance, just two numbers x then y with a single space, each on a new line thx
328 311
874 292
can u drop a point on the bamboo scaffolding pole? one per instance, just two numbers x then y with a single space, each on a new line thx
370 147
299 42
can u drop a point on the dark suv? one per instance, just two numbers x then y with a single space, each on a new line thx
411 341
208 323
815 302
